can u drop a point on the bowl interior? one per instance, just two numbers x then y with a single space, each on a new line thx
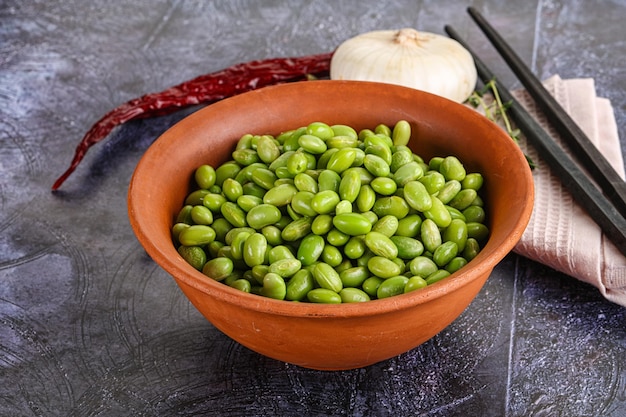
439 128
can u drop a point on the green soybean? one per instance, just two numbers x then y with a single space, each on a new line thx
326 277
254 249
263 215
205 176
323 296
196 235
383 267
381 245
218 268
274 286
310 249
353 295
352 224
299 285
194 255
401 133
392 286
286 267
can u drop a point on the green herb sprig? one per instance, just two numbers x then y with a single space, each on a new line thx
497 110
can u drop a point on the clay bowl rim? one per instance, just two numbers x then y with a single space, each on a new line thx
167 257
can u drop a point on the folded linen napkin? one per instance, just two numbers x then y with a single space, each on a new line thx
561 234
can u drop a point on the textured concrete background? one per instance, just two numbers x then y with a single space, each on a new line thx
90 326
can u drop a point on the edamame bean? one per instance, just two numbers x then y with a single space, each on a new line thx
272 234
354 248
301 203
438 213
474 214
218 268
297 229
328 180
401 133
201 215
341 160
415 283
392 205
392 286
437 276
366 198
463 199
422 266
342 141
286 267
353 295
430 234
280 252
387 225
332 256
246 202
409 226
299 285
310 249
399 158
452 169
417 196
433 181
235 215
350 186
448 191
474 181
371 284
205 176
196 235
445 253
263 215
408 172
384 185
383 267
312 144
320 129
376 165
263 177
267 149
254 249
456 232
381 245
196 197
326 277
280 196
322 224
408 248
305 182
194 255
274 286
352 224
325 201
344 130
354 276
478 231
323 296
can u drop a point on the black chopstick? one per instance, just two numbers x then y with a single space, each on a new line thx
584 150
583 190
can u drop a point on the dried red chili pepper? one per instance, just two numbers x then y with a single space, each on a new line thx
204 89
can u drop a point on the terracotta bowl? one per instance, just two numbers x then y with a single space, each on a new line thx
330 337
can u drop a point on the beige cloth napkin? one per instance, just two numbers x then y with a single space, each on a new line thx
560 233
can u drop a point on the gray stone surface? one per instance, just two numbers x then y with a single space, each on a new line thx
90 326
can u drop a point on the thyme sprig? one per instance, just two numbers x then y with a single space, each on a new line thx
497 110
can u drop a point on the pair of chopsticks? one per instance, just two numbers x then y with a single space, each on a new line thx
606 202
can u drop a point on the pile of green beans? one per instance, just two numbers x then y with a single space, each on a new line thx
326 214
